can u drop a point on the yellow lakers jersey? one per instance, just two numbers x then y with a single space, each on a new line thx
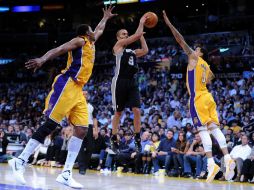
198 78
80 62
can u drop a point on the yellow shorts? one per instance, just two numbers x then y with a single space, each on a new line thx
66 99
203 110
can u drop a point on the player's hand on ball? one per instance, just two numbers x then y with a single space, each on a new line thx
143 19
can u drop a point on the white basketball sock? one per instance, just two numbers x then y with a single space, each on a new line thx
210 161
73 150
29 149
227 157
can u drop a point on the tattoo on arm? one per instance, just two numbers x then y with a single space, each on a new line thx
179 38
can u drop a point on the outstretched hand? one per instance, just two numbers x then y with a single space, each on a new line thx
166 18
143 19
34 63
107 12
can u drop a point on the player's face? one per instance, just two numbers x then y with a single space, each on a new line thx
198 52
123 34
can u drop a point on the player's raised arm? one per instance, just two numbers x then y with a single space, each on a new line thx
179 38
53 53
129 40
143 50
107 14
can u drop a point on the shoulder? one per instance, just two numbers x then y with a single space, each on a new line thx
79 40
118 47
117 50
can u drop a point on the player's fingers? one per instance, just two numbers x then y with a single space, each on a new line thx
103 9
32 64
29 61
27 64
112 8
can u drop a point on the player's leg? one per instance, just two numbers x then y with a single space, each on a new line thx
18 164
200 112
134 102
85 152
119 98
115 124
213 126
79 118
54 112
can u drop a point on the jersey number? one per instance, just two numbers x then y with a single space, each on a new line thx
204 77
131 61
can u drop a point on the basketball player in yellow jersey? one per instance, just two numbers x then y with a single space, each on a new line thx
202 105
66 98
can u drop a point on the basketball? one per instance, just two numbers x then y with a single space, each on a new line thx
152 20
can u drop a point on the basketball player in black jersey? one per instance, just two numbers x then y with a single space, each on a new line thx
125 92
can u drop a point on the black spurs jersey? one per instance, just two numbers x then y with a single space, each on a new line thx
126 64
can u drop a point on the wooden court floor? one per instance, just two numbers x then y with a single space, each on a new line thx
43 178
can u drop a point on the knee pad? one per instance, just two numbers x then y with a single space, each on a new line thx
44 130
218 135
206 140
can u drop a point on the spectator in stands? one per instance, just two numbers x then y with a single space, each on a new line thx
54 148
251 142
182 145
229 142
123 156
22 136
99 147
149 150
164 155
174 120
137 156
29 134
194 156
239 153
67 134
3 146
248 168
187 119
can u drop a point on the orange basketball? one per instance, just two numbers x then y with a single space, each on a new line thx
152 20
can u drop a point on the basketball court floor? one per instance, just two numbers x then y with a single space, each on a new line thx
43 178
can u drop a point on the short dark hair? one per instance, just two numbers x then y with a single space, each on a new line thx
118 32
204 51
128 133
157 134
82 29
171 131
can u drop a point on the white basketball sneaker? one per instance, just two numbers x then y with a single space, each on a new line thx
18 168
213 169
66 179
230 167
